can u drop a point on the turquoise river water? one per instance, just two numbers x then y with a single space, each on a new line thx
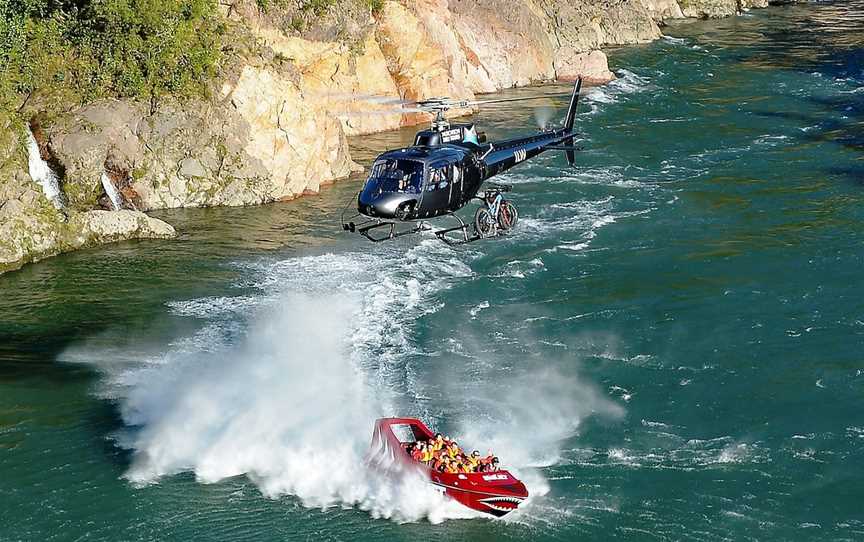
668 347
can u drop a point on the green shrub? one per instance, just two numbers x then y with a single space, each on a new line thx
86 49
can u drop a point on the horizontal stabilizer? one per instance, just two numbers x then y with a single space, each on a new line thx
563 148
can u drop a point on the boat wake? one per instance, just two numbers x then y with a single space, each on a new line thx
282 383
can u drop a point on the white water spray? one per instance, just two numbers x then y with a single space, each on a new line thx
287 408
112 192
42 173
289 397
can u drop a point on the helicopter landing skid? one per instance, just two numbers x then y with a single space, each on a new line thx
463 239
368 230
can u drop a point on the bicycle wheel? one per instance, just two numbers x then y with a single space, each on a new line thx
484 224
507 216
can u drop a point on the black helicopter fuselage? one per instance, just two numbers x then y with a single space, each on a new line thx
433 178
444 169
446 166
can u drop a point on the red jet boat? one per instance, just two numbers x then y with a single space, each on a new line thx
497 493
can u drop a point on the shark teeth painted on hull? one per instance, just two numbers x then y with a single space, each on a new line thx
491 503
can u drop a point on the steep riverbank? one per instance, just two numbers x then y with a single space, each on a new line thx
276 122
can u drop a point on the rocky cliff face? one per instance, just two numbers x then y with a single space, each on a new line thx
32 227
276 124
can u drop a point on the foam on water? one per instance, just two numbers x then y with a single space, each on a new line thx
626 83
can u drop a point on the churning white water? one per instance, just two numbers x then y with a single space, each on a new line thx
41 172
286 407
284 387
112 192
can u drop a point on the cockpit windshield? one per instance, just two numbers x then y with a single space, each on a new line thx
393 175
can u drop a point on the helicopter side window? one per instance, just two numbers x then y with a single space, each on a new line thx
457 174
439 176
437 179
392 175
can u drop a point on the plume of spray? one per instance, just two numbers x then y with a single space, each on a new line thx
543 115
529 416
287 408
524 412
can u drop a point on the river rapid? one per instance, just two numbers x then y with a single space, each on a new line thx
668 347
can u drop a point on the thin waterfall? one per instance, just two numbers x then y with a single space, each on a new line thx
112 192
41 172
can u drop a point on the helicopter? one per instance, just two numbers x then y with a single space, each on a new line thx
445 169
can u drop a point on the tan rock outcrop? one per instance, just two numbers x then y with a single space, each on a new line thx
260 141
466 73
418 68
709 9
661 10
593 67
339 80
511 44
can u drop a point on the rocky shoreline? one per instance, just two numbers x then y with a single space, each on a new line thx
276 124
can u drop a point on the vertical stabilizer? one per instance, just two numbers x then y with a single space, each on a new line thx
570 119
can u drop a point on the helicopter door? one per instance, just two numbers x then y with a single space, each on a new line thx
456 190
438 185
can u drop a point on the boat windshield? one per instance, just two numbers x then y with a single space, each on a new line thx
393 175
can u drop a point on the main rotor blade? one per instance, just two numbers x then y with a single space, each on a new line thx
377 112
502 100
369 98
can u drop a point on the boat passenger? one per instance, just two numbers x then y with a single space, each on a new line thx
474 460
453 450
437 463
417 453
428 454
